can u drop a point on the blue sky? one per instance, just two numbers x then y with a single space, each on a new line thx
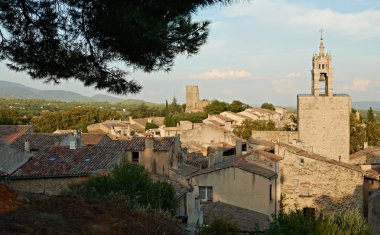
260 50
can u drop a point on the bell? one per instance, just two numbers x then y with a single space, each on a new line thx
322 77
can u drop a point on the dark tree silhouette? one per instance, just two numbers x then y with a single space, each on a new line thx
83 39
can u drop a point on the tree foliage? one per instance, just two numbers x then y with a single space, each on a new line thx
268 106
78 118
357 133
247 126
297 223
12 117
63 39
217 107
130 184
370 115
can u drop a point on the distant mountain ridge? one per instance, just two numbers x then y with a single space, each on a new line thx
16 90
366 105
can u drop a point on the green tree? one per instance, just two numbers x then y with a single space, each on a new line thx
370 115
297 223
216 107
83 39
150 125
247 126
357 134
238 106
268 106
130 184
373 133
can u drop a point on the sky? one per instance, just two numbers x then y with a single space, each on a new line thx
261 50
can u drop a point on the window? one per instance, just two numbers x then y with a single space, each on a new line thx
305 191
270 192
205 193
135 156
302 161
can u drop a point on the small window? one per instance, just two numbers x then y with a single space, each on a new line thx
205 193
305 191
135 156
87 159
302 161
270 192
52 158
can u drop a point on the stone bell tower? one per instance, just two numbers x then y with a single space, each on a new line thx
324 117
322 72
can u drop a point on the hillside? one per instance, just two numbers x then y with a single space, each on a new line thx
364 105
37 214
16 90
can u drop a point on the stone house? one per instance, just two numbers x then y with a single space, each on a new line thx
225 182
156 154
311 180
220 120
114 128
52 169
238 118
211 134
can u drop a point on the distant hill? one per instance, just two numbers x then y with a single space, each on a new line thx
16 90
366 104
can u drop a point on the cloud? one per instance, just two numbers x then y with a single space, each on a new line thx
293 75
228 92
287 84
358 85
280 12
221 74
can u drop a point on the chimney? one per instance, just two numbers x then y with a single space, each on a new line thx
27 146
149 142
79 138
365 145
73 145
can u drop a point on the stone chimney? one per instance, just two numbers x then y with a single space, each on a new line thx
149 142
27 146
78 138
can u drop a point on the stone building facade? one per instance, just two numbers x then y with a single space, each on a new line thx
193 103
311 180
324 117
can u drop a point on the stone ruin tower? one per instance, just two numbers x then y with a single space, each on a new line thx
324 117
193 103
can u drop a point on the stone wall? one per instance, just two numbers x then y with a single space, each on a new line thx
283 136
51 186
374 212
239 188
328 187
324 124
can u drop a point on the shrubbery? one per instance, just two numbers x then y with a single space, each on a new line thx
297 223
130 184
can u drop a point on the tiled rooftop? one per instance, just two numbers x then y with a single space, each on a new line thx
93 139
239 163
371 150
10 133
138 143
58 161
39 140
245 219
11 158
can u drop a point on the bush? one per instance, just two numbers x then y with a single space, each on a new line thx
218 227
297 223
130 184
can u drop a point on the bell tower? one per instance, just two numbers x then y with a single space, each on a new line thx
322 72
324 117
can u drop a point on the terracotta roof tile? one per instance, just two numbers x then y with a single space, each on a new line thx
39 140
371 150
10 133
61 161
240 163
245 219
138 143
93 139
